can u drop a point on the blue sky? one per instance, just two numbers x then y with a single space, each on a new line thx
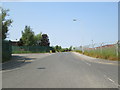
97 21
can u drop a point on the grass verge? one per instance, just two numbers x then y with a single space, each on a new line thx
110 55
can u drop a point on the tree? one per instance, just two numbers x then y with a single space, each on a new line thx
38 38
28 36
66 49
70 48
58 48
6 23
20 42
44 40
74 48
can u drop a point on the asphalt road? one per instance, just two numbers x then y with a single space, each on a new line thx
62 70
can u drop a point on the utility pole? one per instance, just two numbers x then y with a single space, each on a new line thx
92 44
101 47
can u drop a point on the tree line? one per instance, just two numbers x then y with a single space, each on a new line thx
58 48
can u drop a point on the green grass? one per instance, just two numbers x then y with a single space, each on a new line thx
104 53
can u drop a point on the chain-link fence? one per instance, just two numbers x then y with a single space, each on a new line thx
31 49
6 50
101 50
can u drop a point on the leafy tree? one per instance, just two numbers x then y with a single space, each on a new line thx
58 48
20 42
73 48
28 36
66 49
6 23
44 40
38 38
70 48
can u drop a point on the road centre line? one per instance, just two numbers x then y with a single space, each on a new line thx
86 63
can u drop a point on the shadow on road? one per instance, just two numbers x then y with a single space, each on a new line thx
16 62
41 68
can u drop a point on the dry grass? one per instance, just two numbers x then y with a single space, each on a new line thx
106 53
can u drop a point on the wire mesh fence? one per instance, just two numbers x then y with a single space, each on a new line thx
6 50
31 49
101 50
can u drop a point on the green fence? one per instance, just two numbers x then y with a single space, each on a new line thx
31 49
6 50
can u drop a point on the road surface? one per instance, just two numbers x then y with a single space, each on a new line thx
62 70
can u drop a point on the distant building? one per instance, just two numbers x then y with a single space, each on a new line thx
110 45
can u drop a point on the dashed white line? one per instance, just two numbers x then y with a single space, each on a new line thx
87 63
112 81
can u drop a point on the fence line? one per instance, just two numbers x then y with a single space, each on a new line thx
31 49
106 50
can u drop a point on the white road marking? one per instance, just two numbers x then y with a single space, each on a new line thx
86 63
112 81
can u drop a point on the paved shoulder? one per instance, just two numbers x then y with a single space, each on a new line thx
18 60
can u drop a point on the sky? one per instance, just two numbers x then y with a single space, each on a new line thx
97 21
